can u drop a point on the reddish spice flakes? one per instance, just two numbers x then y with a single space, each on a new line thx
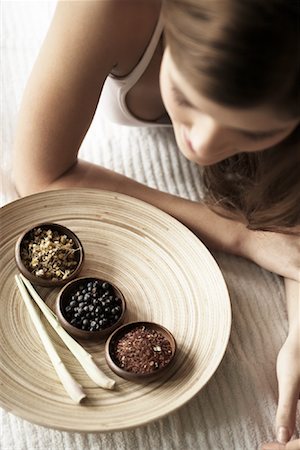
142 350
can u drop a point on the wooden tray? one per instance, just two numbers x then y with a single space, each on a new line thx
167 275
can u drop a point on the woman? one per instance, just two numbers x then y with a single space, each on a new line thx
227 77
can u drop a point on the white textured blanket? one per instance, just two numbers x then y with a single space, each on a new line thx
236 410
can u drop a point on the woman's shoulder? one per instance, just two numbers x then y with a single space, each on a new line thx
117 29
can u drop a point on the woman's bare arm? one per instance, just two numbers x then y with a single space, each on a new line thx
216 232
85 41
292 289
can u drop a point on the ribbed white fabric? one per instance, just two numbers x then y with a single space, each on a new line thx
236 410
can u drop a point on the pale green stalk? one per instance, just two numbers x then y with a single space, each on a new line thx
69 383
84 358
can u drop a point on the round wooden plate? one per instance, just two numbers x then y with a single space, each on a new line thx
167 276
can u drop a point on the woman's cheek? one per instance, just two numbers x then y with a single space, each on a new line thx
177 113
173 109
167 100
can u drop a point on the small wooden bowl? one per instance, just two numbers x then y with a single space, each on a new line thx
37 279
132 376
63 300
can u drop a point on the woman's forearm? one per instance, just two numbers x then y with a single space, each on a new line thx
215 231
278 253
292 289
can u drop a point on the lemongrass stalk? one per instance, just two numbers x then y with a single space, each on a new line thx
84 358
71 386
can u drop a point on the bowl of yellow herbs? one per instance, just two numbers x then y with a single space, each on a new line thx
49 254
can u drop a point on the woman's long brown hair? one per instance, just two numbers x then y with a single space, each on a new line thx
245 53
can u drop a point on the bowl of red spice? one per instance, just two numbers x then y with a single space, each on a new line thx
90 308
140 351
49 254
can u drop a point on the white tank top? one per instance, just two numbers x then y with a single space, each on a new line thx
113 97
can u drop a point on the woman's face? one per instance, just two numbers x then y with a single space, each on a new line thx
207 132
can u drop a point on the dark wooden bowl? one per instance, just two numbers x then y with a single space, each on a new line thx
63 300
39 280
131 376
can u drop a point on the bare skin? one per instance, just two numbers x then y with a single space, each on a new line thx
292 445
60 101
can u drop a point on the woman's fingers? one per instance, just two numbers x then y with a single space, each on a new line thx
288 386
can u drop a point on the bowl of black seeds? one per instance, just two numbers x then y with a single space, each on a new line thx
140 351
90 308
49 254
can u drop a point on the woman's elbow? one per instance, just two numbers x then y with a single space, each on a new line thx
26 183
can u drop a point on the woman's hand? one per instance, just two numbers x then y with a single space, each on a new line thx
276 252
288 375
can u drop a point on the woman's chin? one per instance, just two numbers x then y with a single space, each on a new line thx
192 156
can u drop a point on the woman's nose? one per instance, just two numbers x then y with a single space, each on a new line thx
208 140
